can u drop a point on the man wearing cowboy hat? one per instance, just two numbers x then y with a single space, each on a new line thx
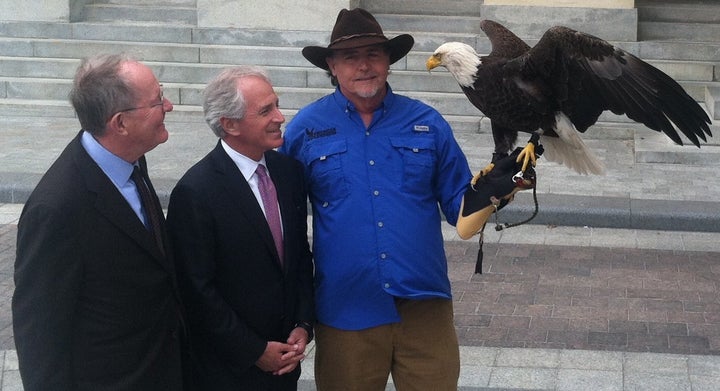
378 165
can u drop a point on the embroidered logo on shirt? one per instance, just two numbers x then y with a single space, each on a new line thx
421 128
313 134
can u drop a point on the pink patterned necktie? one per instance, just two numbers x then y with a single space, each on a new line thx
272 213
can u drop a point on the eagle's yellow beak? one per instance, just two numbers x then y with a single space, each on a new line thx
432 62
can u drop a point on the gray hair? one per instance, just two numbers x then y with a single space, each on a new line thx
224 99
99 91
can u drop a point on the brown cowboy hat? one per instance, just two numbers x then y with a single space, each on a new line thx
357 28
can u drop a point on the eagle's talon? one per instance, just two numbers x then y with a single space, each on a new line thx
481 174
527 155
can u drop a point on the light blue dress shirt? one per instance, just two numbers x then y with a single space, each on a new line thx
117 169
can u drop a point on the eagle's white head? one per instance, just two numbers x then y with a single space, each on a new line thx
459 58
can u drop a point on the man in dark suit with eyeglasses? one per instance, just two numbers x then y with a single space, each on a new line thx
96 305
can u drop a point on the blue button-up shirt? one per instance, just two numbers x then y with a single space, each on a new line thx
375 192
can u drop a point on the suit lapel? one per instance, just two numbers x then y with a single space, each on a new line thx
110 203
240 191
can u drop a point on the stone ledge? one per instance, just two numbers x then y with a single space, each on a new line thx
568 3
614 212
525 21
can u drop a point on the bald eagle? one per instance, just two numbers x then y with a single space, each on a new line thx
560 87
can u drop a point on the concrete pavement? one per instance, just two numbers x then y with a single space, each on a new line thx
615 285
671 338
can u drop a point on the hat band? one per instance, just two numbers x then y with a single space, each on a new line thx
354 36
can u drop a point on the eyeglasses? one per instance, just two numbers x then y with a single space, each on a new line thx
152 106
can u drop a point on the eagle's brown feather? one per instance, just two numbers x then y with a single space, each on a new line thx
570 73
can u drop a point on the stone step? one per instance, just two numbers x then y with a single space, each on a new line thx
672 31
38 78
180 93
532 21
288 67
147 34
136 32
185 57
186 113
80 48
471 25
152 32
243 40
35 108
196 52
608 127
155 13
657 148
525 21
678 11
176 3
430 23
712 101
443 8
662 50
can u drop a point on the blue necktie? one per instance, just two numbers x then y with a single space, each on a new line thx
152 211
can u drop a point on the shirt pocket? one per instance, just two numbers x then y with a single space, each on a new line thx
418 155
326 175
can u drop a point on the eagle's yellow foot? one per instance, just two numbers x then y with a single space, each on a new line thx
481 174
527 155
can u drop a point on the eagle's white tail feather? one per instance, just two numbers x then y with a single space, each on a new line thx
570 150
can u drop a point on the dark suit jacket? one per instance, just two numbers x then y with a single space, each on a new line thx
96 306
237 295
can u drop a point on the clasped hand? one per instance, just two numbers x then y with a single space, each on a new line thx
281 358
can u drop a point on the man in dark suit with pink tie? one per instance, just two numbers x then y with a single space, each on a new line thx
238 221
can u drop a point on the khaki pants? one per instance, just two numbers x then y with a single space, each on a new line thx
421 352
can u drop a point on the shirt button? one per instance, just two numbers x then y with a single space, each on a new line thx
376 193
372 162
380 224
383 256
367 133
387 285
325 204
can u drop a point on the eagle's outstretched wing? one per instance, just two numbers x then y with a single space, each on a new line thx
589 75
561 86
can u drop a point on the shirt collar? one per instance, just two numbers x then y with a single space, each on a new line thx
246 165
117 169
